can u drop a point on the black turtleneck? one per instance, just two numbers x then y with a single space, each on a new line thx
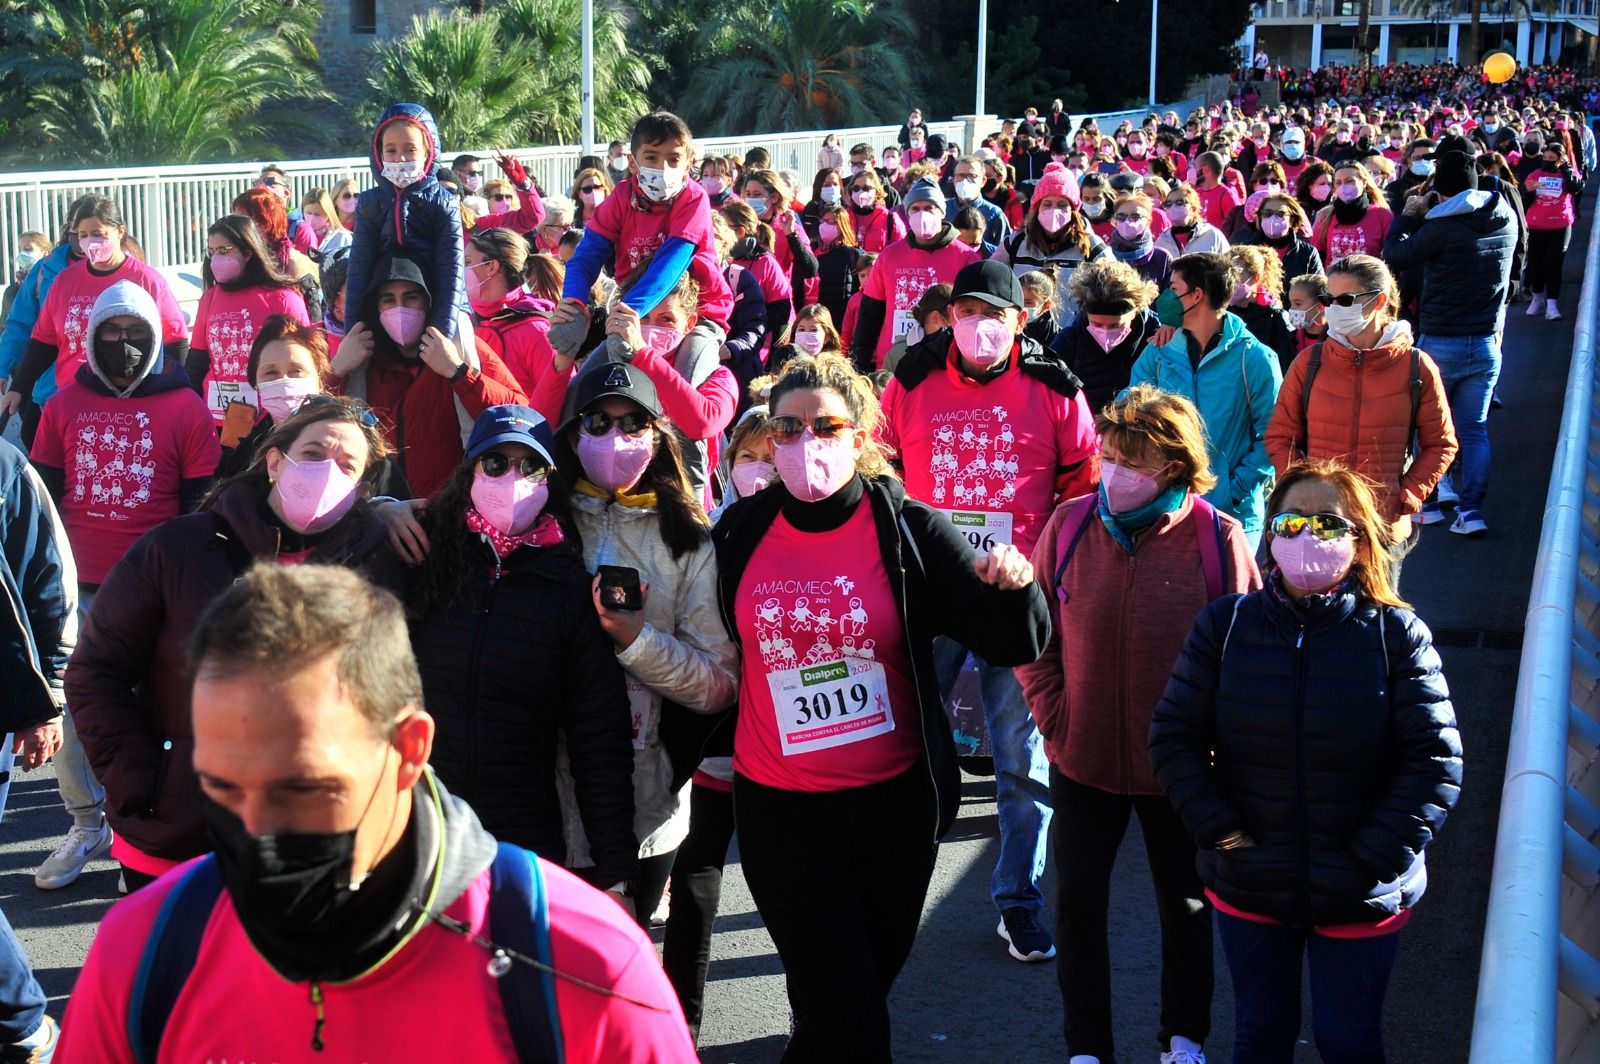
1350 213
825 515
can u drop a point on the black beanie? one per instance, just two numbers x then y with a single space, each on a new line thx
1455 172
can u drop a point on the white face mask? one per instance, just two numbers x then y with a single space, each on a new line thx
1347 321
661 185
830 194
966 189
403 175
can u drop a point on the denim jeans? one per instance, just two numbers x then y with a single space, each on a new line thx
1469 367
21 1000
1348 980
81 793
1021 777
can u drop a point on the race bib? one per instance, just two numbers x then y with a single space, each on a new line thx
641 706
830 704
984 529
220 393
903 324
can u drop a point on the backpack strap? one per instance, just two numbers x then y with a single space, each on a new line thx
1072 530
169 955
519 919
1213 548
1416 404
1313 364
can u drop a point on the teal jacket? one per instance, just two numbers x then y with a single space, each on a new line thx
1235 389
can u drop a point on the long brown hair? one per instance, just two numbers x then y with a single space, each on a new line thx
1370 569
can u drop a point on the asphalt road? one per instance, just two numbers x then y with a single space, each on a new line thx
961 998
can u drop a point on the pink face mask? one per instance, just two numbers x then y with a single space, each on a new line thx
593 198
226 268
615 462
1054 219
1273 228
1310 564
318 224
813 468
499 206
1130 230
510 502
749 478
97 249
403 324
1178 213
314 495
475 275
282 397
1126 488
809 340
983 341
925 224
1109 336
828 232
662 339
714 186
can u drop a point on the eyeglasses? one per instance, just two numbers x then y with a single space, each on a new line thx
1290 524
226 249
787 429
598 423
1347 299
127 332
495 464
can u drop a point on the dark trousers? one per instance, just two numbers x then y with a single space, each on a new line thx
696 892
1547 251
1089 826
839 878
21 1000
652 881
1348 980
136 880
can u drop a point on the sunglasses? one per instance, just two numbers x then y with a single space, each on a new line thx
495 464
598 423
591 188
502 196
1290 524
362 411
788 429
1347 299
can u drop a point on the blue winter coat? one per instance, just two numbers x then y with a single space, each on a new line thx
1321 729
39 628
1235 389
25 313
423 220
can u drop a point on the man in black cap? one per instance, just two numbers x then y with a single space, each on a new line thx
994 431
1463 238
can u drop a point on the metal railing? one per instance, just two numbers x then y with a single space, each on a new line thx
1539 981
167 208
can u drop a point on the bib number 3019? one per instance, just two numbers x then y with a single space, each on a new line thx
830 704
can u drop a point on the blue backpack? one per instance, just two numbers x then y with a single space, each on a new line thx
519 921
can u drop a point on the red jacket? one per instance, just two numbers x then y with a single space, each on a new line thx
1113 644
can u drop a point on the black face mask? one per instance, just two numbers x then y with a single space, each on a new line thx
123 358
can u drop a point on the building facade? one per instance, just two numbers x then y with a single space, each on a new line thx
349 29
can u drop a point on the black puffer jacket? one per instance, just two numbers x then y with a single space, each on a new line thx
1324 731
1464 247
1103 373
510 665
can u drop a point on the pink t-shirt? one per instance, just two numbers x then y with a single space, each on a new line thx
903 273
225 324
1334 241
988 454
125 460
877 230
826 699
774 280
1215 203
235 1007
64 319
636 233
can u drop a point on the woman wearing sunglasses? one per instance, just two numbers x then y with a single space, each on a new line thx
1373 402
1307 741
302 499
512 655
620 468
835 584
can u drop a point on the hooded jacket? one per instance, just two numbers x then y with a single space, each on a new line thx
1360 415
1235 389
40 626
422 220
516 332
1464 247
128 683
25 307
120 461
1324 731
425 417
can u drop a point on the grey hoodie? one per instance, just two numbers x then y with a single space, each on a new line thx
1464 247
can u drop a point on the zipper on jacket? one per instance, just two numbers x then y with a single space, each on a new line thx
1302 843
1355 420
321 1017
474 667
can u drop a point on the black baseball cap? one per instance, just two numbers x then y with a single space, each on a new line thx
993 282
512 424
600 379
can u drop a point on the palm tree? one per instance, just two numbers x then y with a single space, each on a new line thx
476 79
805 64
163 81
1363 32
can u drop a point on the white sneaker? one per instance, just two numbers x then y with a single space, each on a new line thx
1447 492
1431 514
1470 523
81 846
1551 311
1183 1056
1535 306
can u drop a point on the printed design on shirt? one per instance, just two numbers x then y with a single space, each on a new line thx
973 463
1346 240
75 331
910 284
639 252
230 334
112 462
805 622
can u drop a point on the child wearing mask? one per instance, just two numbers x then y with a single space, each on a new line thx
837 257
1305 309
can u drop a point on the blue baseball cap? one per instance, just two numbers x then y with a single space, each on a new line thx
512 424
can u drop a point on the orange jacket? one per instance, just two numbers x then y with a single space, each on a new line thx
1359 413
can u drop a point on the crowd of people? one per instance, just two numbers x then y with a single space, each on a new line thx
467 519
